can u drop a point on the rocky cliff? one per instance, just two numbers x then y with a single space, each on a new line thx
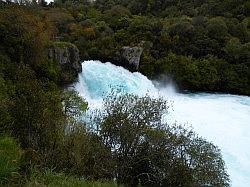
66 55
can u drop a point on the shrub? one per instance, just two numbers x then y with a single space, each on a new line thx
150 152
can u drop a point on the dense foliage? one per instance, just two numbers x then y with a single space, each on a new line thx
202 46
206 41
146 151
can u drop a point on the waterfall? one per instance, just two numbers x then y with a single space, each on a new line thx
223 119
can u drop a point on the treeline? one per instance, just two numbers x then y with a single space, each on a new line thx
208 36
163 8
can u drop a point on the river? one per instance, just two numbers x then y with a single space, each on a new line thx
223 119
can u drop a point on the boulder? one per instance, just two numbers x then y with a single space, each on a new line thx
129 57
132 55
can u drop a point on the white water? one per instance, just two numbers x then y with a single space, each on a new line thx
220 118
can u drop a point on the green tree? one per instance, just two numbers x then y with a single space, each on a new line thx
217 29
37 117
23 36
150 152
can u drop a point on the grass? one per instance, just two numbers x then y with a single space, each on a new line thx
52 179
10 155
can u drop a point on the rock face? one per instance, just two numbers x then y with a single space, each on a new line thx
66 55
130 57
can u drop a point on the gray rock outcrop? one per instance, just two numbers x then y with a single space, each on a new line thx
130 57
66 55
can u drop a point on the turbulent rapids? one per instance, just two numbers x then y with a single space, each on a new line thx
220 118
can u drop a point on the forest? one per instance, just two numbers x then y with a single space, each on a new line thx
201 45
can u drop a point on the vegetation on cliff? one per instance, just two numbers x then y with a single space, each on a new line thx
200 38
205 36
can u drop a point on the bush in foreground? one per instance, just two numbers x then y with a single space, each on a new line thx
149 152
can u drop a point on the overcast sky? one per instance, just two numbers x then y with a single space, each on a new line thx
48 1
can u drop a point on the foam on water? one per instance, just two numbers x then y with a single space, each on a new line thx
221 118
